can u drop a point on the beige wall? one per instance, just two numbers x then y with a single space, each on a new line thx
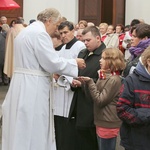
137 9
68 8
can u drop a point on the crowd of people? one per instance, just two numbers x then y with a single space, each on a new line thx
8 32
74 86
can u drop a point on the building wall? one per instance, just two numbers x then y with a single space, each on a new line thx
68 8
137 9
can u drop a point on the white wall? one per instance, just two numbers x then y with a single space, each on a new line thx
67 8
137 9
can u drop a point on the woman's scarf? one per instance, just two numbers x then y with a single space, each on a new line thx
105 74
139 49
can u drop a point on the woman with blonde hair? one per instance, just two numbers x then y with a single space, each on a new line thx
105 94
103 30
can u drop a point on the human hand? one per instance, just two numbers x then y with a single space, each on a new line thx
81 63
83 79
56 76
76 83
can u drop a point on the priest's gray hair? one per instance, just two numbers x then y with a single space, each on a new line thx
48 13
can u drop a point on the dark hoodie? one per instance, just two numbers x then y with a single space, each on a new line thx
133 109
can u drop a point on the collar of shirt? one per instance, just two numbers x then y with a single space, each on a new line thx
69 45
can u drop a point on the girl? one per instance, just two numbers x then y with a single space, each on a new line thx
105 94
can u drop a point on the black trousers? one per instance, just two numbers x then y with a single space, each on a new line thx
69 137
66 138
87 139
3 77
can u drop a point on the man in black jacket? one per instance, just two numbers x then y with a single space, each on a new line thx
82 104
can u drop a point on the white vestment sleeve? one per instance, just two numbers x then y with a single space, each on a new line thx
50 60
65 82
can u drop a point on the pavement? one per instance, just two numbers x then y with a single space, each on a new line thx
3 91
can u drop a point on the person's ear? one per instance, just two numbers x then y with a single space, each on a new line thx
98 38
49 21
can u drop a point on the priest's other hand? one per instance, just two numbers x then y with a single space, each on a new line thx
81 63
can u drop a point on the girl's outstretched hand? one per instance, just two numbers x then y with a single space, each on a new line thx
83 79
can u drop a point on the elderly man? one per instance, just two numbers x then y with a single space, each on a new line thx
79 35
27 123
3 20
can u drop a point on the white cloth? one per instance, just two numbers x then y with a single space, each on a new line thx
125 42
62 97
26 112
64 81
62 91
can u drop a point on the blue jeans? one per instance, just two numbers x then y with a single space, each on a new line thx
106 144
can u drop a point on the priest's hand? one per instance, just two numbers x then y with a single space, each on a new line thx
81 63
56 76
76 83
